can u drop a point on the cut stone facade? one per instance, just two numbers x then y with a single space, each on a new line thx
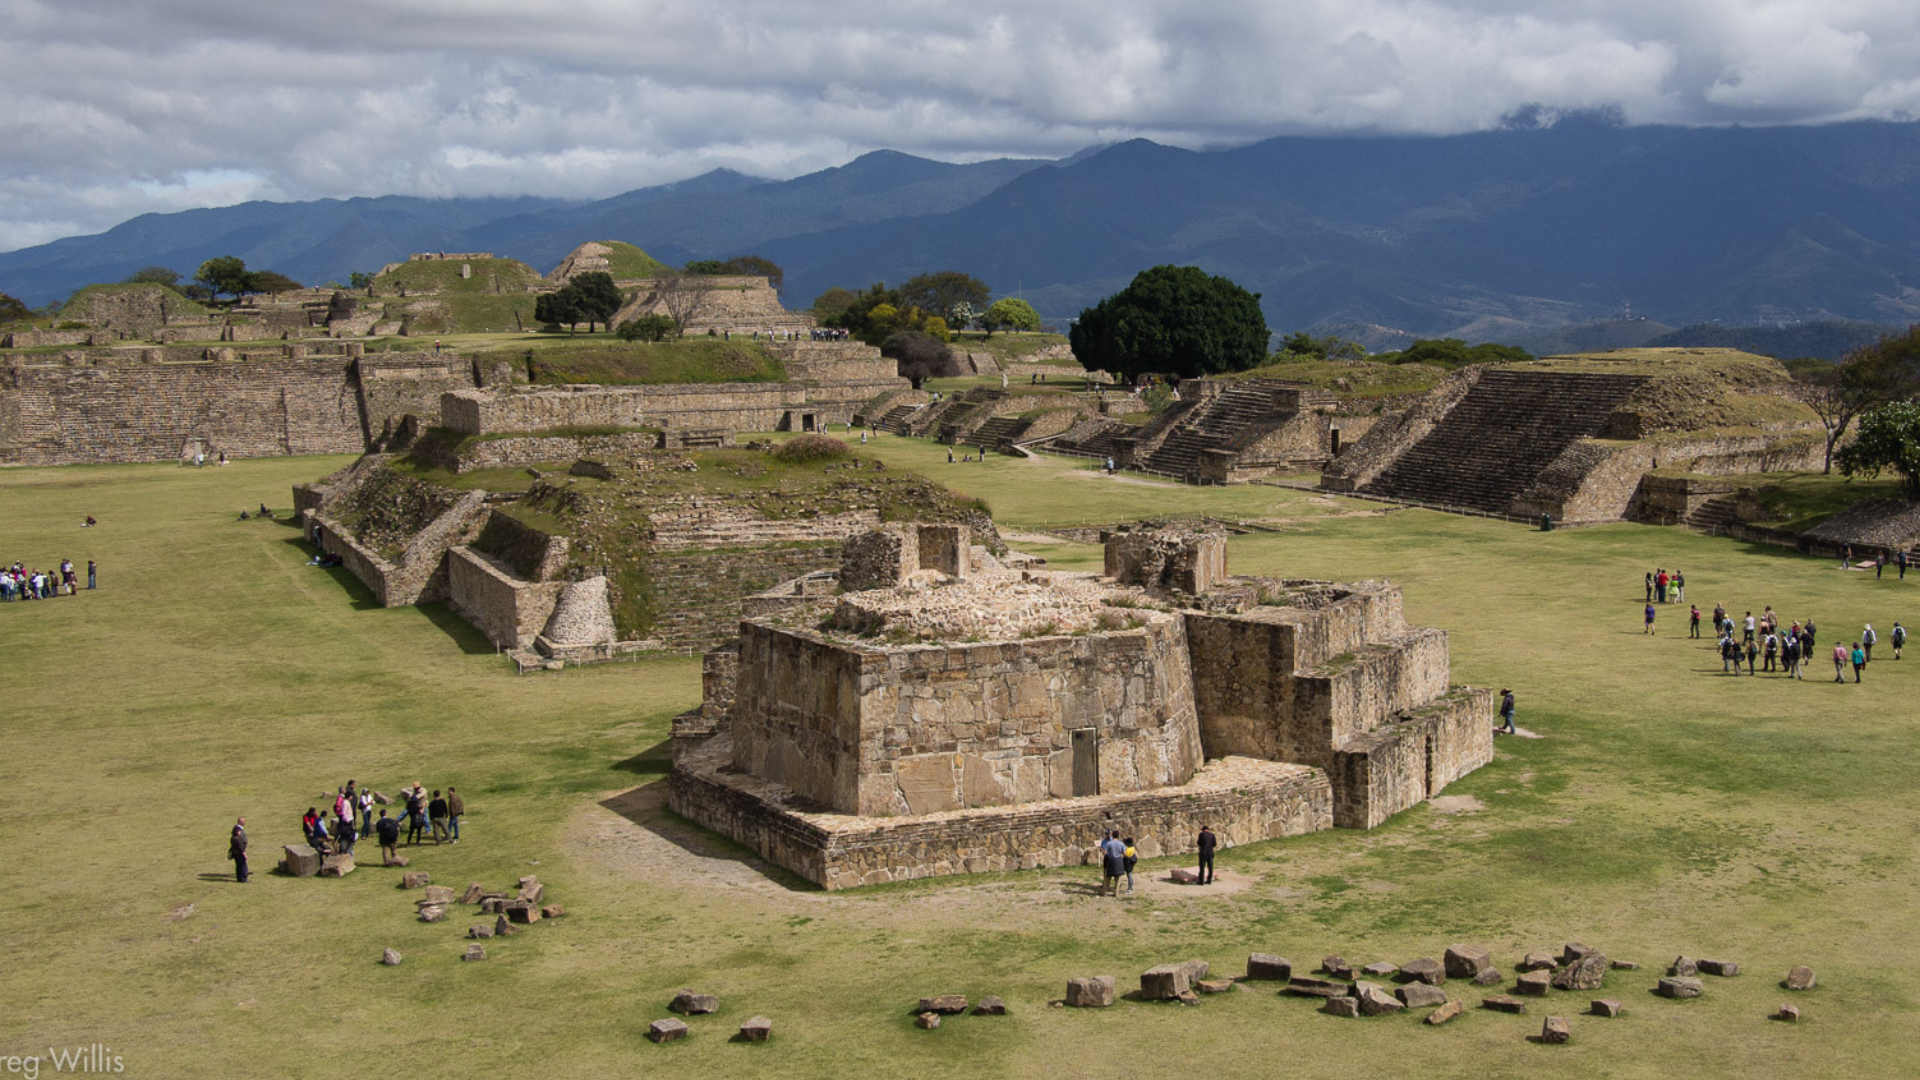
930 724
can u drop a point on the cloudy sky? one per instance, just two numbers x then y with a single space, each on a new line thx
110 109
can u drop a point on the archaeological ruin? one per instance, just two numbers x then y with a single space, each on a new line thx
930 709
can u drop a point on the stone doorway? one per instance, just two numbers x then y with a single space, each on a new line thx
1086 762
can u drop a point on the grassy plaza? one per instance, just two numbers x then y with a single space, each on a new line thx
1665 809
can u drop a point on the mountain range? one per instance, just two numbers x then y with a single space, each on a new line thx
1489 236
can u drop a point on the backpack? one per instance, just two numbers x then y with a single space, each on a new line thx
1899 635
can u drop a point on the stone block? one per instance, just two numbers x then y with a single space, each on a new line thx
1683 966
661 1031
1622 965
1268 966
397 860
475 951
1574 950
528 881
1195 969
1556 1030
1533 984
1724 968
1424 969
1466 961
1091 992
1537 961
1503 1003
336 866
688 1003
522 912
1420 996
535 893
1183 877
944 1004
1446 1012
1489 977
1586 973
1382 970
991 1005
480 930
1342 1006
301 860
503 928
417 879
1213 986
1164 983
1375 1001
927 1021
1302 986
1681 986
552 911
433 913
1788 1013
493 905
390 957
1189 998
436 894
756 1029
1337 967
473 894
1800 978
1607 1007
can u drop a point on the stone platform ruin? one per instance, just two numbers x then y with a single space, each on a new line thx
937 712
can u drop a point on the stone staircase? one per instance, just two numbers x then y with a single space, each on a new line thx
1713 516
1090 438
1210 426
1493 444
896 418
998 433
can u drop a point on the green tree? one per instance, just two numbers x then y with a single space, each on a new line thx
740 266
1010 313
1455 353
962 315
832 304
154 275
1889 439
267 281
1176 320
939 291
651 327
1864 380
599 298
223 274
556 309
921 356
360 279
12 310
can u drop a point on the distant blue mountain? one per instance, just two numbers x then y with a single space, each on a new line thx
1481 235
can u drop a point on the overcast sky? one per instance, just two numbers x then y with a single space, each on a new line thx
110 109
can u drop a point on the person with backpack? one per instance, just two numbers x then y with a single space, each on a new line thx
416 813
1693 622
1868 639
1130 858
1899 636
1506 711
388 831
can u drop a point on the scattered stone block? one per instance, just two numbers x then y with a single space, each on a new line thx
390 957
437 894
1382 970
1489 977
1336 967
990 1005
1189 998
1425 969
688 1003
493 906
1183 877
1789 1013
1466 961
927 1021
1267 966
522 912
1606 1007
1556 1030
1683 966
380 799
1213 986
1195 969
336 866
1533 984
504 928
756 1029
416 879
1573 951
1586 973
473 894
530 879
1303 986
1341 1006
1726 969
433 913
397 860
1800 978
661 1031
480 931
500 896
552 911
475 951
1623 965
1420 995
1681 986
944 1004
300 860
1375 1001
1503 1003
1164 983
1091 992
535 893
1537 961
1445 1013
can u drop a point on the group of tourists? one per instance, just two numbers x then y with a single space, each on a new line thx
19 583
829 333
353 817
1666 588
1760 643
1119 856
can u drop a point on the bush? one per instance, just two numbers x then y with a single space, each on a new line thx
654 327
811 449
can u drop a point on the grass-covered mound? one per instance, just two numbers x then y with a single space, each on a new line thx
627 261
1694 390
97 304
439 301
608 361
443 276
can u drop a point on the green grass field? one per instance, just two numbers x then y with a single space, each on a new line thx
1666 809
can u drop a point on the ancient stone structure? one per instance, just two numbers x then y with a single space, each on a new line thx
917 723
1580 442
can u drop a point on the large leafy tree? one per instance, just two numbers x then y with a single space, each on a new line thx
268 281
12 310
154 275
557 309
1864 380
936 293
1010 313
1889 439
224 274
1175 320
599 297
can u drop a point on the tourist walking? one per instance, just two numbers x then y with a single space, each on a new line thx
1649 624
1693 622
1879 564
1899 638
90 574
1840 662
456 809
1649 586
1679 587
416 813
1207 843
1729 654
1130 858
1113 862
387 831
1773 650
1868 639
237 850
1790 656
1859 661
1506 711
1753 657
1900 560
1746 628
437 813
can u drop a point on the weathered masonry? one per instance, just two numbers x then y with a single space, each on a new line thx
969 717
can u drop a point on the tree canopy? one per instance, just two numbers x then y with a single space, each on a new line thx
741 266
1864 380
154 275
1174 320
269 281
1010 313
1301 345
1454 353
223 274
1889 439
938 292
12 310
590 298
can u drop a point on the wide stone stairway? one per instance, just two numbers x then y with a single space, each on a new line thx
1210 426
1494 444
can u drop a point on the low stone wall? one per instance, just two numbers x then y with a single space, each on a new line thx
729 407
699 591
1242 800
527 552
1385 441
1402 764
509 610
1303 442
1595 481
420 574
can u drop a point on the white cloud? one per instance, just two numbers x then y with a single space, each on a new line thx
109 109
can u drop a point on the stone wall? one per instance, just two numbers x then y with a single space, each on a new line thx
1243 801
730 406
699 592
526 551
123 409
1404 763
740 305
1303 441
1595 481
1163 559
510 610
420 574
1385 441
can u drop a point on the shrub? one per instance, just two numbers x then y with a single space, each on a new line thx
654 327
810 449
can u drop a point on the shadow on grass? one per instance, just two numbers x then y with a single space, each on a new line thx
357 592
646 806
471 641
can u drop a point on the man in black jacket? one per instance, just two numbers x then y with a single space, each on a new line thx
388 830
237 849
1207 844
437 813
